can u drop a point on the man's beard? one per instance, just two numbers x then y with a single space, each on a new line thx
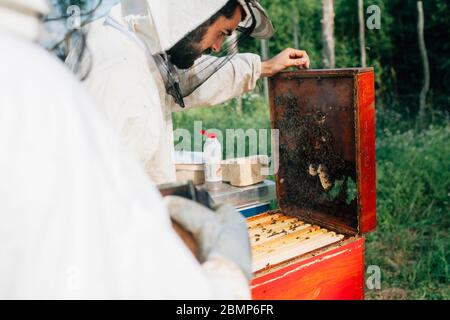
183 55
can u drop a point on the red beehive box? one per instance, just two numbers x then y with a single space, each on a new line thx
312 246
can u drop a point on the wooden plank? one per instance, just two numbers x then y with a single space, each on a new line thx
257 217
271 249
280 224
316 242
281 221
275 234
265 219
297 236
366 165
286 239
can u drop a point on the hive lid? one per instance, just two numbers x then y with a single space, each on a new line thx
326 146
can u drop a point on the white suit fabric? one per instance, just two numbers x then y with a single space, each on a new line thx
175 18
126 84
79 218
11 17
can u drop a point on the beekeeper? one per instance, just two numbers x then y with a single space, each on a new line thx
146 50
79 217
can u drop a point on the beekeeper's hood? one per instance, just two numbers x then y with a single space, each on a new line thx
174 19
22 17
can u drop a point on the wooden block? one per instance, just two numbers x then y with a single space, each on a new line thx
194 172
242 172
259 217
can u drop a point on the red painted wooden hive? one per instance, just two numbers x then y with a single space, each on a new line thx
312 246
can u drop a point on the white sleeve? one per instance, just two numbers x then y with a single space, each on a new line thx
125 93
227 279
235 78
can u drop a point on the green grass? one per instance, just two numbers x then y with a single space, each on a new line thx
411 244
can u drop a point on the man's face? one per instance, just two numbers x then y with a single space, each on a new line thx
184 54
219 30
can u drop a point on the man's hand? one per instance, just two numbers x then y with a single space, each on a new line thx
287 58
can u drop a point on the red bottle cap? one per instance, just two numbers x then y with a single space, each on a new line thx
208 135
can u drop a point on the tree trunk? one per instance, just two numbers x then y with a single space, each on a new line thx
265 56
425 64
362 33
328 34
234 49
295 30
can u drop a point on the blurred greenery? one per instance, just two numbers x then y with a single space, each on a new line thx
392 50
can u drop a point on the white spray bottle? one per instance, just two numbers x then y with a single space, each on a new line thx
212 153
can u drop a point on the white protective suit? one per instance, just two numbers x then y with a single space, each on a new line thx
127 85
79 218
